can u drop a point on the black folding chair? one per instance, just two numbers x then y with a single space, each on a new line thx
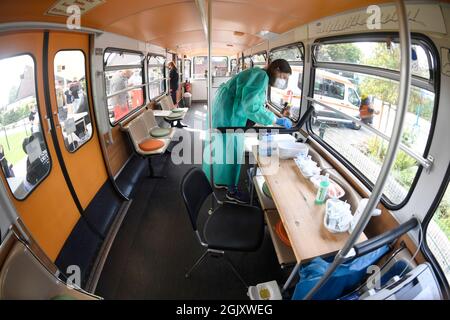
230 227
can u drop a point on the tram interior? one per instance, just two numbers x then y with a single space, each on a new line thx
106 192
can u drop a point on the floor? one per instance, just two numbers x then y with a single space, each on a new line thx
156 244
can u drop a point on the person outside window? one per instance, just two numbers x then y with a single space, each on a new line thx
366 109
119 82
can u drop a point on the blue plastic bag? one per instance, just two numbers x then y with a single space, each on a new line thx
344 279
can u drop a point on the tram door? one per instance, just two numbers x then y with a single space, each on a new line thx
29 161
73 114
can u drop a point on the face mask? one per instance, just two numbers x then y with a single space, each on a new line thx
280 83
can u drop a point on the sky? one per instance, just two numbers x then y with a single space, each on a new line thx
12 68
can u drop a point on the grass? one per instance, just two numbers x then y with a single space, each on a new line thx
15 153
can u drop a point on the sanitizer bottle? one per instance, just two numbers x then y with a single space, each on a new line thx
323 190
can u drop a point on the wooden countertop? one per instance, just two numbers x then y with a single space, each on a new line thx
294 197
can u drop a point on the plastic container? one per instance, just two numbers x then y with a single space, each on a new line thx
290 150
266 146
187 99
334 190
323 190
265 291
307 167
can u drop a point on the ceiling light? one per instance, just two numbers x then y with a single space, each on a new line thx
267 35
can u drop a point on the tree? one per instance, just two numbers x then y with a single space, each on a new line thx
384 89
387 90
341 52
13 94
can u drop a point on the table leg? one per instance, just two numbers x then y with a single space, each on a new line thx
291 277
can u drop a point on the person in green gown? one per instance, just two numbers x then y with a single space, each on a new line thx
240 99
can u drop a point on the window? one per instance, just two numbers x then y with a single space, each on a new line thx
72 98
371 94
438 234
372 53
233 67
124 83
292 95
327 87
353 97
259 60
239 66
247 63
24 157
200 67
187 69
179 67
156 78
219 66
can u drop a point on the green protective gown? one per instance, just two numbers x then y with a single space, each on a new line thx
243 97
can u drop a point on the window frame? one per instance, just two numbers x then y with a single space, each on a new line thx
144 84
300 45
425 223
416 38
87 94
147 83
40 123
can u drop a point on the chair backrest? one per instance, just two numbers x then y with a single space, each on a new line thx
149 120
166 103
195 188
138 131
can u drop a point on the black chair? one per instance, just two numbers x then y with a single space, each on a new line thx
230 227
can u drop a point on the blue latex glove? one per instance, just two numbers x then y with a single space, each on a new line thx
285 122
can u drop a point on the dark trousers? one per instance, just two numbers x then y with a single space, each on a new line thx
173 94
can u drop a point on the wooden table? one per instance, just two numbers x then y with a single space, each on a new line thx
294 197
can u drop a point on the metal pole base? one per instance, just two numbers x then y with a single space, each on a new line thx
217 254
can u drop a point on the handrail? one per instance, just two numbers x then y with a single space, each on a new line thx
280 130
39 25
126 90
426 163
404 87
122 67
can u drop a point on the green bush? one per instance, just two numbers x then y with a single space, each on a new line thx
406 176
444 209
408 138
376 148
15 115
403 161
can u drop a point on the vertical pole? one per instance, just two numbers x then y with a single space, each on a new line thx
209 31
404 87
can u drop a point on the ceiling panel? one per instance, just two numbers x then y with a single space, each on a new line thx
172 23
